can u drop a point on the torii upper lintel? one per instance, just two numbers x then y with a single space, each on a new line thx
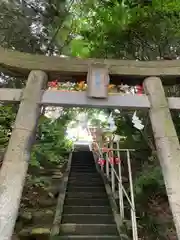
20 64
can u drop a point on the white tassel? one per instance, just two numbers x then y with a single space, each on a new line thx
137 123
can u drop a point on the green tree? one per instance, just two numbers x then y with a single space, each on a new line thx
130 29
51 143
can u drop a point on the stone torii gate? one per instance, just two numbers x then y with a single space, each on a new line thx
39 69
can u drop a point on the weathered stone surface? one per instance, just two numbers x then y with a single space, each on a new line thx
23 63
47 202
15 164
39 233
26 216
167 144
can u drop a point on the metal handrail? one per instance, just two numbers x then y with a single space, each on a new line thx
121 189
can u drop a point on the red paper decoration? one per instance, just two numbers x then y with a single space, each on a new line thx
139 89
53 84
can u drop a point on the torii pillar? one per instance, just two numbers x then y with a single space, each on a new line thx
167 144
14 169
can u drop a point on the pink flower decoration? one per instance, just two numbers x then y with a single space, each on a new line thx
101 161
105 150
111 159
117 160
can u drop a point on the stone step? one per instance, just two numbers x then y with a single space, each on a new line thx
84 176
83 164
88 181
85 195
85 170
86 202
87 209
76 169
85 237
80 183
88 173
72 188
88 218
80 164
85 179
88 229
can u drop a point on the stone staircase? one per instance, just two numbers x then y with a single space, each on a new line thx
87 212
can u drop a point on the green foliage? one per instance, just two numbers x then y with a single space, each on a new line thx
35 26
41 182
79 48
134 30
51 144
14 23
7 116
148 182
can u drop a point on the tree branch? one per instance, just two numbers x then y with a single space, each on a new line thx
57 30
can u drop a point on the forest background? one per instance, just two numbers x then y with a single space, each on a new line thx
129 29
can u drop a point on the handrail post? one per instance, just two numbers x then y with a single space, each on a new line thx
121 201
112 172
122 192
101 155
107 166
133 213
